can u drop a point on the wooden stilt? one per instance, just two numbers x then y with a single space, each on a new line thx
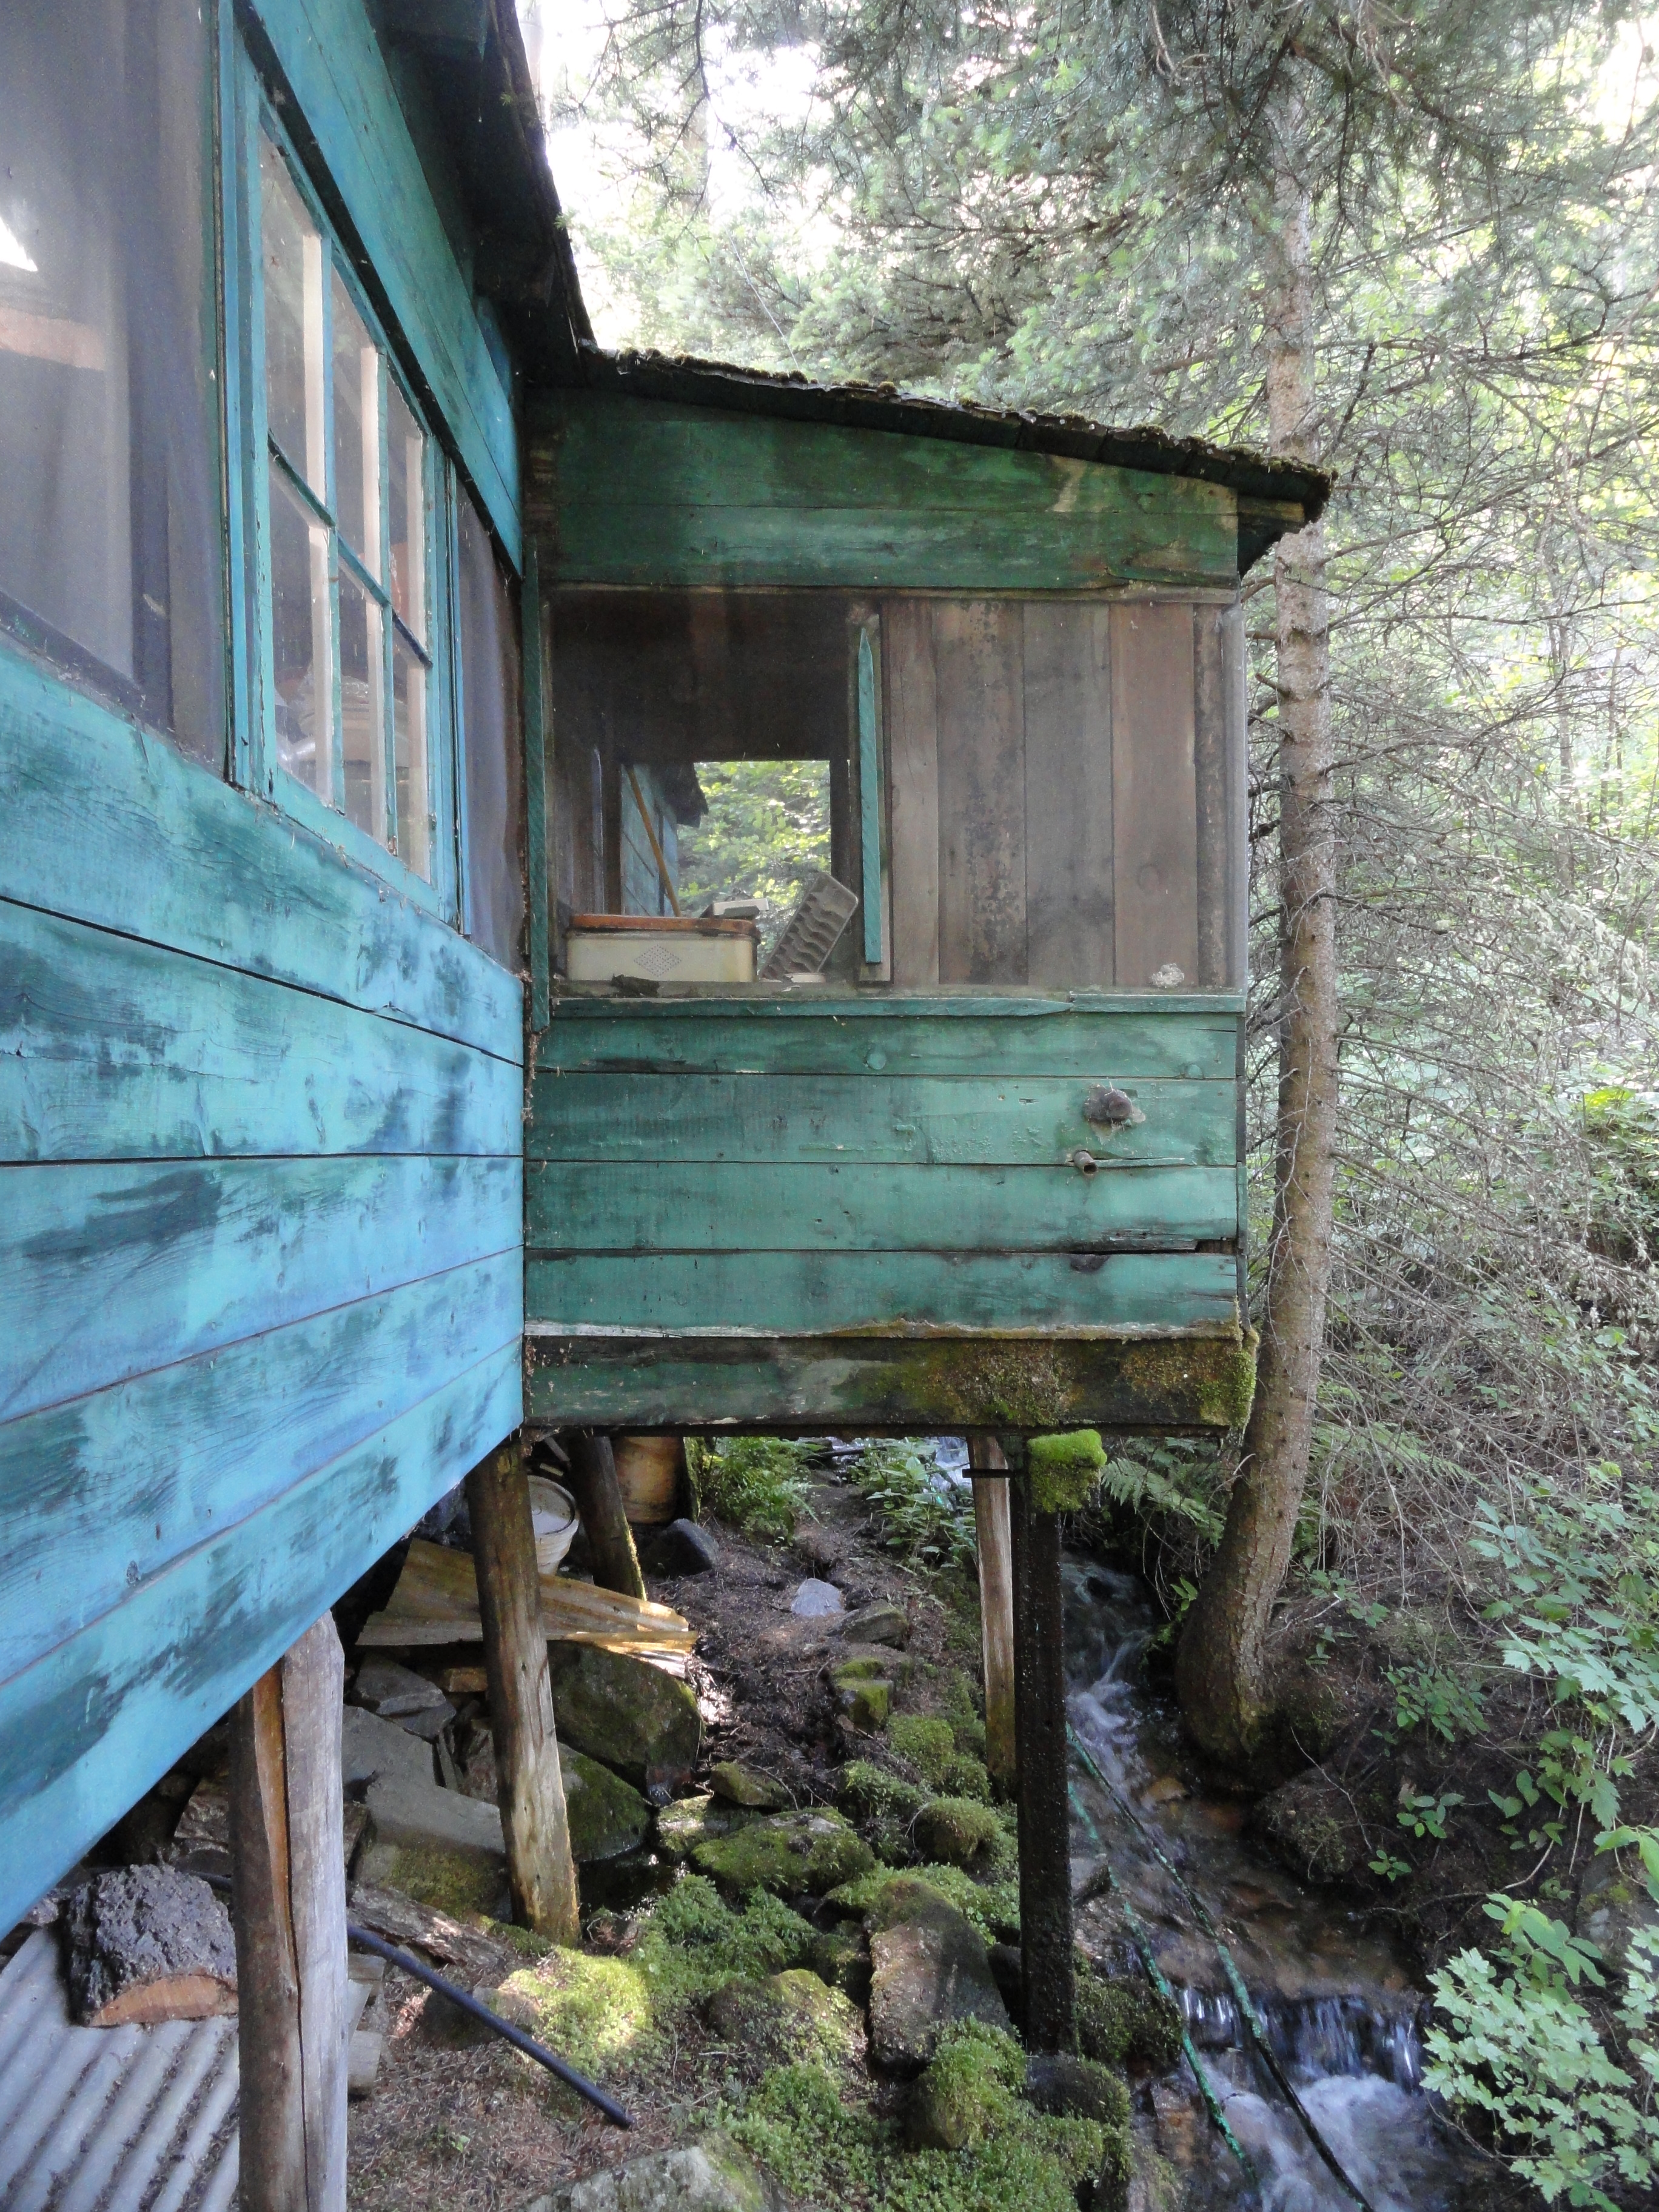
531 1788
289 1905
993 1529
1045 1870
598 1500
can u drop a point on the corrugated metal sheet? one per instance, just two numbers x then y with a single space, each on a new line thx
110 2119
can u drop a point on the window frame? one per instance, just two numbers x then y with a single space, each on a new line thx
252 117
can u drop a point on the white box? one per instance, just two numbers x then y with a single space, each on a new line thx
694 949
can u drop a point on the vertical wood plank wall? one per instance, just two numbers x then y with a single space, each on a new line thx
261 1290
1064 798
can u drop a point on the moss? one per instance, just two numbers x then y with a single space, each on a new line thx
690 1821
1065 1470
1018 1385
857 1670
925 1741
965 1776
812 1851
598 2013
1127 2023
867 1705
456 1882
870 1792
788 2016
964 1832
992 1907
841 1958
1216 1376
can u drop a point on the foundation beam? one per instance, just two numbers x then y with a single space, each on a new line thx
1044 1808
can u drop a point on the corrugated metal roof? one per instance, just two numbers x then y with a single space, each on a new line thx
110 2119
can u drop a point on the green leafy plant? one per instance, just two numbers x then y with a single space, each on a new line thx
921 1517
1437 1699
756 1484
1426 1815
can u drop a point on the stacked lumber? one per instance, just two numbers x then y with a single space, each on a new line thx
436 1601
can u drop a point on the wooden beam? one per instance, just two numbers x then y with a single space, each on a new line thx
993 1529
530 1787
289 1907
1045 1870
598 1500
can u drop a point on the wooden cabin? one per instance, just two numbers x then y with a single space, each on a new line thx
341 579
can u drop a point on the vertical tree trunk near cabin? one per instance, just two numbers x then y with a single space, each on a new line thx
1221 1667
1044 1805
530 1788
993 1531
598 1500
289 1907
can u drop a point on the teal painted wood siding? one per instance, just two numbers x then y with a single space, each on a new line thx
645 491
261 1278
833 1169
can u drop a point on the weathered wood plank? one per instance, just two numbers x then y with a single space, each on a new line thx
109 1270
114 1049
906 655
107 826
652 492
1154 812
993 1539
854 1292
870 1118
87 1728
1069 937
436 1601
333 63
765 1209
1213 743
100 1494
896 1384
978 673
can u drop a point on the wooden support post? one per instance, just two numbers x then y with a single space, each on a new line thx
530 1788
598 1500
993 1529
289 1905
1045 1817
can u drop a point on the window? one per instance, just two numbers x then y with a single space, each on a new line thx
349 480
110 530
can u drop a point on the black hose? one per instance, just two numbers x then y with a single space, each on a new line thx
409 1964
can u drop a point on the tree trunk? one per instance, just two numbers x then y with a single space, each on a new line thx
1221 1668
598 1500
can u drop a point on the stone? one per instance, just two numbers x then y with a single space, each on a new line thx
840 1957
1613 1906
147 1944
712 2175
1168 1790
789 1853
878 1624
690 1821
929 1966
607 1817
371 1746
1076 2089
436 1845
1312 1824
682 1548
394 1691
816 1600
820 1547
784 2020
867 1705
966 2095
1121 2023
961 1831
623 1711
738 1784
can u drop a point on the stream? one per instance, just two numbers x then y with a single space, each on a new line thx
1339 2005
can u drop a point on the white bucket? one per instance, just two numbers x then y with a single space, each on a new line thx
553 1516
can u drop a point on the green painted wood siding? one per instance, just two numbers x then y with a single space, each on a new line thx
261 1219
644 491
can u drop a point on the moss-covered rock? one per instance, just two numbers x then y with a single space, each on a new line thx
625 1712
867 1706
1065 1470
926 1741
789 2016
607 1817
455 1882
968 2092
869 1792
962 1831
1126 2024
886 1893
813 1850
966 1775
929 1969
840 1957
734 1783
712 2175
1082 2087
1312 1824
872 1666
690 1821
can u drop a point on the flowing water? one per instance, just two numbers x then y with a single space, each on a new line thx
1337 2004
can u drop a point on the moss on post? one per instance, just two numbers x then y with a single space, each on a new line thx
1065 1469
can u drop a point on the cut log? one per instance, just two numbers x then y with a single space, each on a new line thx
436 1601
148 1944
531 1790
599 1499
992 1531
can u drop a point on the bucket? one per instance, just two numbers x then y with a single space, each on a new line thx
553 1516
648 1476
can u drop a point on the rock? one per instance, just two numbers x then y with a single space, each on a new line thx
201 1842
710 2175
1166 1790
960 1832
1008 1972
693 1820
681 1548
1613 1906
398 1693
147 1943
607 1817
966 2095
840 1957
789 1852
738 1784
1312 1824
878 1624
371 1746
874 1661
626 1712
820 1547
1076 2089
816 1600
867 1705
1128 2023
929 1966
787 2019
437 1846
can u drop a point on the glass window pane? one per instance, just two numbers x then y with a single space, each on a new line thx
302 663
292 254
494 747
406 501
357 431
415 823
111 544
362 716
